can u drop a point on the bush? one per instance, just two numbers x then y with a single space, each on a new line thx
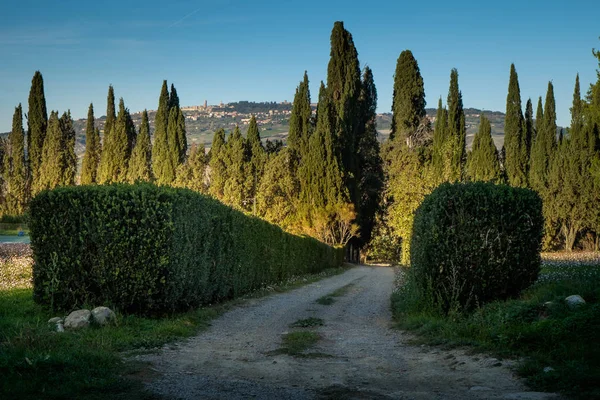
475 242
147 249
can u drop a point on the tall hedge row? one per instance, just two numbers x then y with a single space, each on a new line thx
147 249
475 242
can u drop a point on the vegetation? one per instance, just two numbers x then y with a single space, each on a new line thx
474 243
536 327
329 299
145 249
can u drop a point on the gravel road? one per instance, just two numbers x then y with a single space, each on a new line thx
360 355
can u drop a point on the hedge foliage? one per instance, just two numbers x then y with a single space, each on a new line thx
475 242
147 249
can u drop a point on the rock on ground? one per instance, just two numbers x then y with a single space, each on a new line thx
103 315
78 319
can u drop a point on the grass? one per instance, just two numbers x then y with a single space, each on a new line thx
36 362
330 298
541 335
307 323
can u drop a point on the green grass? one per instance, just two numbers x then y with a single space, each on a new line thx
296 343
542 335
307 323
36 362
330 298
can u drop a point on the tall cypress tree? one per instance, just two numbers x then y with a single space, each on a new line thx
529 132
300 119
514 135
257 159
217 166
483 163
539 120
37 120
191 174
408 104
91 158
550 127
69 161
456 130
181 136
235 192
111 115
544 144
173 150
370 170
115 156
439 141
140 164
15 170
343 87
161 164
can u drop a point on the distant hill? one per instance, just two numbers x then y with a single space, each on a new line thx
273 120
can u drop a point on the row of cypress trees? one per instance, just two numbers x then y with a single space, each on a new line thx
564 169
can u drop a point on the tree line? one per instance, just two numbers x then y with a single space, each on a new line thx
332 180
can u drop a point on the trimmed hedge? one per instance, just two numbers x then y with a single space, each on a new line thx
147 249
475 242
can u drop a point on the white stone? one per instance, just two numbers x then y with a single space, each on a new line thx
78 319
575 300
548 369
103 315
55 321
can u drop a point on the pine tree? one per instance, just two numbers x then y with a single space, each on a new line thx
456 134
116 153
140 164
529 132
111 115
15 168
369 164
300 119
514 135
161 161
408 104
191 174
91 158
37 120
217 166
343 90
483 163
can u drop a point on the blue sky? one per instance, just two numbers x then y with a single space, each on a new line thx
229 50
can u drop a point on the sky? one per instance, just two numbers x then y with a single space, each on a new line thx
230 50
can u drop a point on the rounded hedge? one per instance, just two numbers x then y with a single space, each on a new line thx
475 242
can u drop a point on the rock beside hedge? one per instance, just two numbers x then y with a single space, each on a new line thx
78 319
103 315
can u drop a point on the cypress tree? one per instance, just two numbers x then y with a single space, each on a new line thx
37 120
140 164
529 132
59 162
161 159
456 130
343 90
91 158
257 160
300 119
111 115
181 136
69 160
550 127
173 98
483 163
235 192
173 150
408 104
514 135
217 166
439 140
15 170
115 156
370 170
539 120
191 174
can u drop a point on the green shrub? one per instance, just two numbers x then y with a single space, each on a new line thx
473 243
147 249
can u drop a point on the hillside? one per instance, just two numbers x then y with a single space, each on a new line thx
273 120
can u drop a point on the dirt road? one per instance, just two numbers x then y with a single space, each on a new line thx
358 356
